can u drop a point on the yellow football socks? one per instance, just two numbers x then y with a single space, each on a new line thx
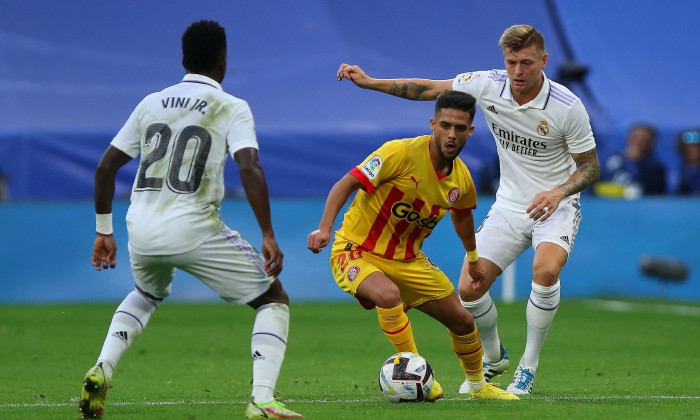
397 328
468 349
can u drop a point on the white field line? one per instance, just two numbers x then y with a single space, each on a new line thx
326 401
620 306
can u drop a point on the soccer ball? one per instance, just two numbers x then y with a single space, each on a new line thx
405 377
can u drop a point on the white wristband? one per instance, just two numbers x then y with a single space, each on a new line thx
104 223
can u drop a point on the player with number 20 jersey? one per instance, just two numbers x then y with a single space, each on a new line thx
180 179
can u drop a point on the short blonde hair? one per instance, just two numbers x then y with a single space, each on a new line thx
518 37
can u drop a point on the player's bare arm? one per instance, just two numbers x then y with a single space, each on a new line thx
587 172
337 198
105 174
413 89
255 186
464 226
104 250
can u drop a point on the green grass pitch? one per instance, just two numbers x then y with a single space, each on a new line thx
625 360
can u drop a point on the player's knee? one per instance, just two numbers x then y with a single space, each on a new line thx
275 294
545 276
462 323
381 291
387 299
468 294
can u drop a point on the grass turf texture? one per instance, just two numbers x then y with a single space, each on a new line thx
193 362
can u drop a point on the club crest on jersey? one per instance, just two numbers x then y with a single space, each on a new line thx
464 77
453 195
543 128
353 272
371 168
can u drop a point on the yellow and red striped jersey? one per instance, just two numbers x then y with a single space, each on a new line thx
402 198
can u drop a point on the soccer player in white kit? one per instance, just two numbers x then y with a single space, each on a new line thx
184 134
547 156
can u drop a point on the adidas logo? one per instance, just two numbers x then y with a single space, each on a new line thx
122 335
258 356
492 109
565 239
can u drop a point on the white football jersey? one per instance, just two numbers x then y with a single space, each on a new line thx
535 140
183 134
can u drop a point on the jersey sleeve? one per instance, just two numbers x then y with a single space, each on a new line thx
471 82
128 139
578 133
382 165
241 132
466 200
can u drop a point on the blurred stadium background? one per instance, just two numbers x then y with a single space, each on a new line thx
71 73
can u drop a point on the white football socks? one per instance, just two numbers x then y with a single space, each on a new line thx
486 318
129 320
540 312
267 346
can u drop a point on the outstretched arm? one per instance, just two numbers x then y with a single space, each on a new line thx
337 198
255 186
464 226
413 89
104 250
587 172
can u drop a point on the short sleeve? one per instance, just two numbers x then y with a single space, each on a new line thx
382 165
471 82
578 132
466 196
241 132
128 139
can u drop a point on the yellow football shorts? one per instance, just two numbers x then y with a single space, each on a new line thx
419 280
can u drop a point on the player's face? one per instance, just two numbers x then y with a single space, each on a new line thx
451 129
524 69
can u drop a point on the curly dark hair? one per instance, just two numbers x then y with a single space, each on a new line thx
202 45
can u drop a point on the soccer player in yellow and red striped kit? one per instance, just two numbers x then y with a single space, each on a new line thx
407 186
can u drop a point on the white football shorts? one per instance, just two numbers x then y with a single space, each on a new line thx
505 234
226 263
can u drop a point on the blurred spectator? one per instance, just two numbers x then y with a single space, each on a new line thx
4 191
637 168
689 148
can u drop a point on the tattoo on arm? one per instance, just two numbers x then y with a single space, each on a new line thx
412 90
586 174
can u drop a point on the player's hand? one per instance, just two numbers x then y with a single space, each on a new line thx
544 204
318 240
104 252
353 73
273 256
478 274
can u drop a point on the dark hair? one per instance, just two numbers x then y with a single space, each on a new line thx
202 45
456 100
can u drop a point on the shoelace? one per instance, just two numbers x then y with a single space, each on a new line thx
524 378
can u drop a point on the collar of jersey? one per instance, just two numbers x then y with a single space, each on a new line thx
540 100
198 78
